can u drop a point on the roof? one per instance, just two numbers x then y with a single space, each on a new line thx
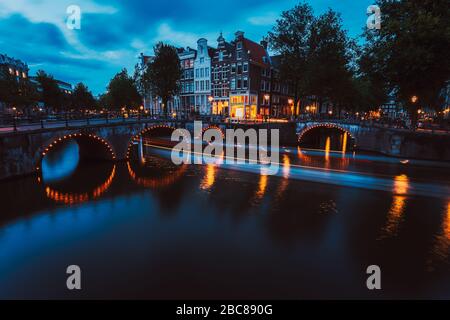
257 52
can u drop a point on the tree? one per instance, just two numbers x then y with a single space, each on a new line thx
329 68
164 72
51 95
290 37
410 51
82 98
122 92
316 54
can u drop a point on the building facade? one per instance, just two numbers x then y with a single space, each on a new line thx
184 104
15 68
220 77
202 78
250 79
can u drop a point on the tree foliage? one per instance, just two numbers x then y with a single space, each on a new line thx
163 73
409 54
122 92
82 98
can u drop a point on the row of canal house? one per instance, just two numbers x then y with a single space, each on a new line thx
237 79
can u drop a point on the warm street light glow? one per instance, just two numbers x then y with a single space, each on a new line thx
330 112
210 99
307 108
290 101
414 99
141 107
14 108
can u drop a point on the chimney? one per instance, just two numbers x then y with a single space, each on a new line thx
264 43
239 35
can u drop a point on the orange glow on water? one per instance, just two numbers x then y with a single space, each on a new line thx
148 182
401 185
344 143
397 209
209 178
261 186
72 198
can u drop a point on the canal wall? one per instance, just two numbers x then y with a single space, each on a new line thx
404 144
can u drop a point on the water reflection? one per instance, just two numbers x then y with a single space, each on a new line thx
397 209
72 197
61 162
150 233
209 178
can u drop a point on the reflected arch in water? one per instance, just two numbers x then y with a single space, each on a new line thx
348 139
66 197
155 182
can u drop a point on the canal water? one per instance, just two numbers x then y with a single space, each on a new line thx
150 229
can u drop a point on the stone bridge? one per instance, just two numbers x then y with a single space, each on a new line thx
392 142
21 152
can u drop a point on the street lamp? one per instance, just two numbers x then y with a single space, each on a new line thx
414 99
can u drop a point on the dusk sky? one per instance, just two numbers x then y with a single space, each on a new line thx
114 32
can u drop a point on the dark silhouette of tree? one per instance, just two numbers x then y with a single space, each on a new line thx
163 73
50 94
122 92
290 37
316 54
82 98
410 51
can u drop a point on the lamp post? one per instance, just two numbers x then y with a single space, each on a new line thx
14 118
141 108
267 98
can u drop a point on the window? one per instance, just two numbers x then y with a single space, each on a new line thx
245 83
220 56
207 72
196 85
202 60
263 85
239 54
233 68
239 84
207 85
239 45
202 73
233 84
239 69
245 67
196 73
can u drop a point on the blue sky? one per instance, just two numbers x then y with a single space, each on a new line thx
114 32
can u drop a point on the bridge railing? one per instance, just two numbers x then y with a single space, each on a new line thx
10 123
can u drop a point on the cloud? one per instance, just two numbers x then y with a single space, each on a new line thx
267 19
114 32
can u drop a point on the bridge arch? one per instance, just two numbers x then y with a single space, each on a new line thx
327 125
213 127
91 145
160 127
